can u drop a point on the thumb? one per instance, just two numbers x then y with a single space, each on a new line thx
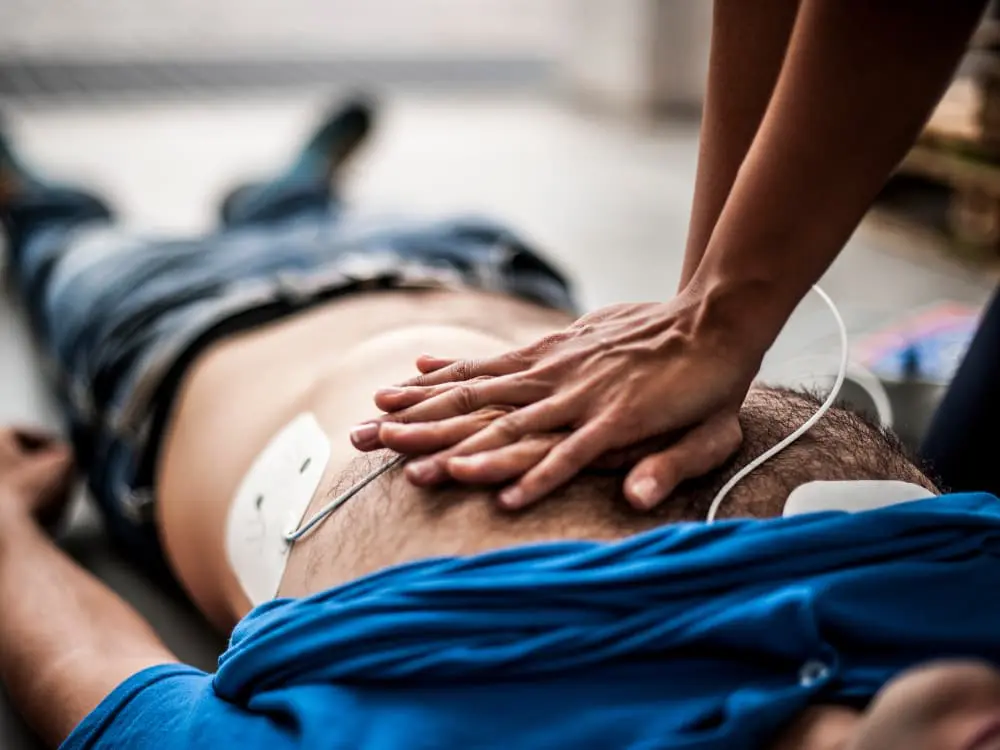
699 451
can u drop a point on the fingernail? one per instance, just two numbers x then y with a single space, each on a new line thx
512 498
421 470
364 433
645 492
389 392
466 462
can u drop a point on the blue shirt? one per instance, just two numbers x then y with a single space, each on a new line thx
688 636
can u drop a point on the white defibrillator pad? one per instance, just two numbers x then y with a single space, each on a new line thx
271 501
852 496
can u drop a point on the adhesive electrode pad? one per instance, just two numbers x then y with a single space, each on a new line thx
851 496
271 500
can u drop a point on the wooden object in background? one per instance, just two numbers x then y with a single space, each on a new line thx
960 144
974 206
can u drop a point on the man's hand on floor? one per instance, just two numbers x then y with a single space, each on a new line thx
36 474
66 640
614 379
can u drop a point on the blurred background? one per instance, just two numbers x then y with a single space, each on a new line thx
574 120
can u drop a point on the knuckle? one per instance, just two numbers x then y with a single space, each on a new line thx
730 436
433 391
570 453
553 472
551 441
566 360
510 427
616 422
570 458
489 415
406 416
537 445
464 369
529 451
466 398
706 448
548 343
523 357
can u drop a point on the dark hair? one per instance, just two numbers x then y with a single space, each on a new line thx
843 445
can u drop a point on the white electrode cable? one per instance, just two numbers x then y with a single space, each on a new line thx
806 426
293 535
868 382
812 371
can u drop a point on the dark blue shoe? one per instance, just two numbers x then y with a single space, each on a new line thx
319 163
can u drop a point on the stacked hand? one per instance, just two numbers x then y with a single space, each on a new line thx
539 415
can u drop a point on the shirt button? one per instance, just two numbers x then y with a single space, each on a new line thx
813 671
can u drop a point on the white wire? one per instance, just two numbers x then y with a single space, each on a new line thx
293 535
870 384
806 426
857 373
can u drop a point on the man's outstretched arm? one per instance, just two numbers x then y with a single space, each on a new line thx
66 640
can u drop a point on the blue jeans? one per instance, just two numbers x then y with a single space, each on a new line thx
121 315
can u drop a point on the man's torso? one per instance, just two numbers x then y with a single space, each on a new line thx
327 361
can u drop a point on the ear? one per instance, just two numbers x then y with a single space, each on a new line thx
852 496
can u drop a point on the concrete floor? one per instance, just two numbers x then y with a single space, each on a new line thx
116 29
608 201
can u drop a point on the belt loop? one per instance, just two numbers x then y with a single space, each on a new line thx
291 289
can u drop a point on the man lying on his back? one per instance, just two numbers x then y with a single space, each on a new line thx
210 386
